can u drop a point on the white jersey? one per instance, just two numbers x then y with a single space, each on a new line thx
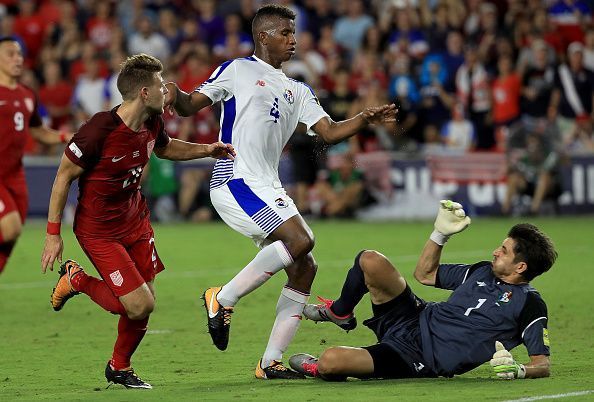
260 111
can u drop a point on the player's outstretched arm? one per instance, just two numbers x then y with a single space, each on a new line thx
505 367
451 219
185 104
53 247
178 150
333 132
48 136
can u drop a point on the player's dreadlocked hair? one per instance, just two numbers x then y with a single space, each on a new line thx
534 248
136 72
270 10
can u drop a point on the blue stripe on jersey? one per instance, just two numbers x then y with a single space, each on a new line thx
250 58
303 83
228 120
221 68
262 214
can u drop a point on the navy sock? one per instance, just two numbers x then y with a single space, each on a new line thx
353 290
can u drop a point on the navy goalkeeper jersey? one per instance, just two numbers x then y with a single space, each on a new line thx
459 334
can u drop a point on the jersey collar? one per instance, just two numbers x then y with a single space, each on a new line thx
268 66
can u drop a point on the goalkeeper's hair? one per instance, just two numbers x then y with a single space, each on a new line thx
136 72
534 248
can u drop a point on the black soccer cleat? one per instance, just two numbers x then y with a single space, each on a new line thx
277 371
127 378
219 318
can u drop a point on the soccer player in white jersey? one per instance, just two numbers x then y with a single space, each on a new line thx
261 109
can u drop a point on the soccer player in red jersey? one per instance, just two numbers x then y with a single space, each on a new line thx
111 222
18 116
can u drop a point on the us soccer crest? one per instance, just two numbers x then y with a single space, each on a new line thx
289 96
280 203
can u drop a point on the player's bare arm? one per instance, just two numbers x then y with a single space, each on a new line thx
333 132
48 136
426 269
67 173
178 150
539 367
451 219
185 104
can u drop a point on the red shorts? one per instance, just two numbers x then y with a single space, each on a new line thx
14 197
125 263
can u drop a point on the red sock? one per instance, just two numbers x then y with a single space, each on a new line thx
99 292
130 333
5 250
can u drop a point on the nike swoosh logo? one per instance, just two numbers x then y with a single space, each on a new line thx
116 159
211 302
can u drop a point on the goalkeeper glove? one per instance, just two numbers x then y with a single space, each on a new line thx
451 219
504 365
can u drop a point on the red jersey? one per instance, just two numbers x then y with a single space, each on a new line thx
18 112
109 201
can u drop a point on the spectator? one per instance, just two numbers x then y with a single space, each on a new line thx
534 172
453 57
321 14
537 85
506 99
341 188
55 94
349 29
572 97
473 90
169 27
29 25
100 26
436 102
87 93
212 26
406 37
458 134
233 34
146 40
111 94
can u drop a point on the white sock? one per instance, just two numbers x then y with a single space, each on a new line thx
288 317
266 263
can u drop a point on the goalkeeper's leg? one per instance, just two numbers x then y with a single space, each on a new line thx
381 277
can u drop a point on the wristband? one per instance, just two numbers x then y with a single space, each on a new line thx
53 228
63 138
521 371
439 238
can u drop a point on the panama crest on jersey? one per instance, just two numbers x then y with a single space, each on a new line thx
280 203
289 97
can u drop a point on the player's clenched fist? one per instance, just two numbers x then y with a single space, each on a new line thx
451 219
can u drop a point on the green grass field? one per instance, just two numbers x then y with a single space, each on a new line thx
49 355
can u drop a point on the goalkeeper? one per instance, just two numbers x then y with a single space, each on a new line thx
491 310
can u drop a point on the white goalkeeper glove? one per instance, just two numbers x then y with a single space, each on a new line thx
504 365
451 219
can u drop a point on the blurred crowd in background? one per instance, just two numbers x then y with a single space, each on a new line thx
507 76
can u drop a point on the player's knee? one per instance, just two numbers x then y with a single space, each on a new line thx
329 362
373 262
300 245
11 233
141 310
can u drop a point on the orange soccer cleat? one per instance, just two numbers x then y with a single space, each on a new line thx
64 290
